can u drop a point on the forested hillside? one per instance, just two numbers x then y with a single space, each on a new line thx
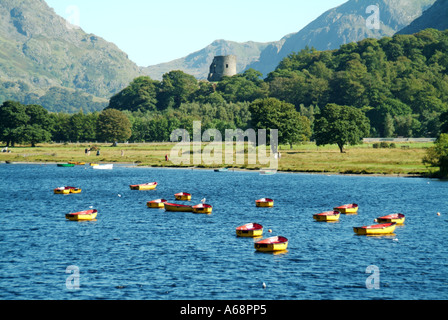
400 82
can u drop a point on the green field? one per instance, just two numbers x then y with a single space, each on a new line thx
405 159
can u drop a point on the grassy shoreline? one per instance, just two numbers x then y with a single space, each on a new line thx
404 160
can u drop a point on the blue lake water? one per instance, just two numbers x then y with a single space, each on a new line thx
132 252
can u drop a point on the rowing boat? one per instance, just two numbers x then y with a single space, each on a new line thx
250 230
348 208
398 218
377 229
327 216
145 186
82 216
272 244
174 207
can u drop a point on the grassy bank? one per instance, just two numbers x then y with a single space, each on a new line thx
405 159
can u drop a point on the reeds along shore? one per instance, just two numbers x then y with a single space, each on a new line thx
405 159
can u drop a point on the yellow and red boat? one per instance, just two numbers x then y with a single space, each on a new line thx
67 190
398 218
156 204
144 186
77 163
273 244
250 230
174 207
327 216
347 208
264 203
203 208
377 229
183 196
82 216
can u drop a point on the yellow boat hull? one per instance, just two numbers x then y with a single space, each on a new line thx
249 233
178 208
183 198
397 218
86 217
203 210
375 231
143 188
61 191
153 205
326 218
67 191
273 247
397 221
264 204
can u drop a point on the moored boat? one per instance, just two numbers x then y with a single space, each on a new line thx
103 167
174 207
268 171
183 196
377 229
222 170
250 230
66 165
327 216
77 163
203 208
265 203
82 216
67 190
398 218
145 186
272 244
347 208
156 204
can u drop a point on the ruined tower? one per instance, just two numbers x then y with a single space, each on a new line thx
222 66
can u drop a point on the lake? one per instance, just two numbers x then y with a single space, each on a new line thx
132 252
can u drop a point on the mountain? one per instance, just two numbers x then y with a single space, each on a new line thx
343 24
435 17
198 63
40 50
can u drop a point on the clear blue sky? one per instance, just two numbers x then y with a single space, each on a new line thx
152 32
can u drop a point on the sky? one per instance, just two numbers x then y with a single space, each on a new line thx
153 32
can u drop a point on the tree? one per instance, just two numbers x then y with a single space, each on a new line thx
437 156
24 124
271 113
247 86
176 88
12 116
39 126
340 125
113 125
141 94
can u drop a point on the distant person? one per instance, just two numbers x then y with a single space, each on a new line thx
166 157
98 152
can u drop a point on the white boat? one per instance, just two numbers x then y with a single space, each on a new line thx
103 167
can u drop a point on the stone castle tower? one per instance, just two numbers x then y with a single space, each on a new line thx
222 66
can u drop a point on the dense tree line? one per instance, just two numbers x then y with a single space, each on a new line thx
32 124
